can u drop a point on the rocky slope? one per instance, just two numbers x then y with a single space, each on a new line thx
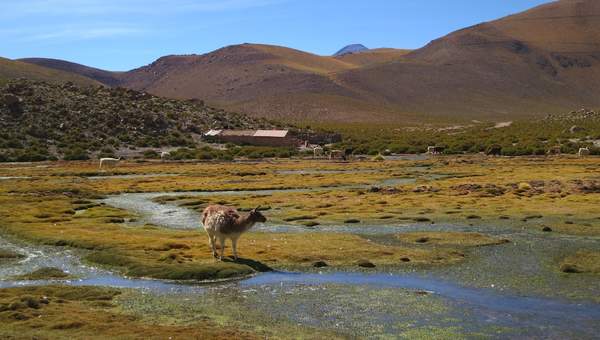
41 120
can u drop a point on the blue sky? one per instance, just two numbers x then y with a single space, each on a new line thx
124 34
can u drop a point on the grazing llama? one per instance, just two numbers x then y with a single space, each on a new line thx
435 150
317 151
583 152
221 222
109 162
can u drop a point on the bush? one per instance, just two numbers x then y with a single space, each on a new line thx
31 156
107 151
205 155
76 154
183 153
151 154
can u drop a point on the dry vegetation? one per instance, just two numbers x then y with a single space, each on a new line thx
58 206
60 209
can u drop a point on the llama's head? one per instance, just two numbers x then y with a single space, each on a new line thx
256 217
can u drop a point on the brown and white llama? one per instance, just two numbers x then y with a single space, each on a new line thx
221 222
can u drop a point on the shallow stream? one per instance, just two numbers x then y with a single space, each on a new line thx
500 291
359 303
505 291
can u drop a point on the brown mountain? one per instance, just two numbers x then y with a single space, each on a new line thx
373 56
543 60
265 80
10 69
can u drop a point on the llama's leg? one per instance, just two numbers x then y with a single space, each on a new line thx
211 242
214 245
234 246
222 242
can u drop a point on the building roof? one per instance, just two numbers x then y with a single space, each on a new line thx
237 132
271 133
248 133
213 133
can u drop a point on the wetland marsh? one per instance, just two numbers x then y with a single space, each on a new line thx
447 247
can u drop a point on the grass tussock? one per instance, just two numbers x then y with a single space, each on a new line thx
581 262
45 273
171 271
6 254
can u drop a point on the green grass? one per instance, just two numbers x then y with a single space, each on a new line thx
522 137
175 270
581 262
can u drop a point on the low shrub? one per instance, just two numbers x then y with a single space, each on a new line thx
76 154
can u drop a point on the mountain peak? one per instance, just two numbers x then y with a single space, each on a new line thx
354 48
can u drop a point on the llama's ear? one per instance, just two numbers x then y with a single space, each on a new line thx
256 209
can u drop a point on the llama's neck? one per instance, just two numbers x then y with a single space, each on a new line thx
244 223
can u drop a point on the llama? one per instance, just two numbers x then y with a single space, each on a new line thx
165 155
583 152
317 151
435 150
109 162
556 150
336 154
226 223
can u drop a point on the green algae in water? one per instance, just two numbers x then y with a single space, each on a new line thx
225 307
329 310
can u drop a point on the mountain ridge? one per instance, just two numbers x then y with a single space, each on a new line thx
543 60
109 78
11 69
